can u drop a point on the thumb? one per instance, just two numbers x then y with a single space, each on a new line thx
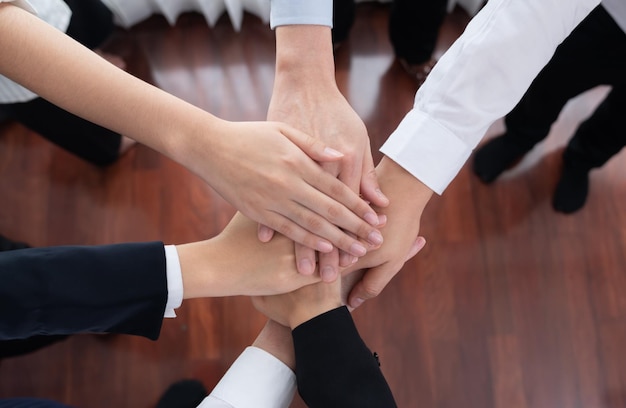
417 246
264 233
314 148
375 279
369 184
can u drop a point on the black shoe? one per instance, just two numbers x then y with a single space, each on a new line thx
571 191
495 156
183 394
8 245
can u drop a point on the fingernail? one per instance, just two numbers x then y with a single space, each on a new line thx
371 218
382 219
354 260
328 274
357 302
357 249
380 194
324 246
306 267
375 238
345 259
329 151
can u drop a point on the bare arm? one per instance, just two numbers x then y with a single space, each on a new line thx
284 187
306 96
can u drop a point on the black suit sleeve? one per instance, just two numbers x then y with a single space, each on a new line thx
98 289
334 367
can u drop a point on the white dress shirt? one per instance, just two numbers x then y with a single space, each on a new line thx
477 81
256 379
54 12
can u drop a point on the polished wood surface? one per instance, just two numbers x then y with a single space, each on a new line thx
510 305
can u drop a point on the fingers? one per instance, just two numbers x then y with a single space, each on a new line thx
305 259
328 264
313 147
370 188
306 226
417 246
354 216
264 233
375 279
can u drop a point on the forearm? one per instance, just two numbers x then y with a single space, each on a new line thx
61 70
66 290
334 367
304 53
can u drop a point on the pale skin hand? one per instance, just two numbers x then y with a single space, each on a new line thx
304 204
236 263
306 96
408 197
294 308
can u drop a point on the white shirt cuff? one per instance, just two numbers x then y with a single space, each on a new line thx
298 12
427 150
21 4
174 281
256 379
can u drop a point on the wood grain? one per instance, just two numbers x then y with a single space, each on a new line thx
509 304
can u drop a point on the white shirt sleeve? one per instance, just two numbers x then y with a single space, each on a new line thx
297 12
174 281
256 379
22 4
477 81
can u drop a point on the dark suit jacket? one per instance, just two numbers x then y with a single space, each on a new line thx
334 367
98 289
30 403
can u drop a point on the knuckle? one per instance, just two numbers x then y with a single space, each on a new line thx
285 228
337 189
370 290
313 223
333 213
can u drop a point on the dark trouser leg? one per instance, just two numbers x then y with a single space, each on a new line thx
602 135
414 28
91 25
87 140
584 60
597 140
344 12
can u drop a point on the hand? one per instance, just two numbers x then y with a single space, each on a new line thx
267 171
237 263
408 197
294 308
263 169
305 95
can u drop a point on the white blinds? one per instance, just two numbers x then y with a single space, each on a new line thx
130 12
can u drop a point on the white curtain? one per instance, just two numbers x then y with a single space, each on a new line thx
130 12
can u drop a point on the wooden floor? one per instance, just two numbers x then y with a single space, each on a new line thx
510 305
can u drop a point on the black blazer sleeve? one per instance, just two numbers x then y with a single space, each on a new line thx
75 289
334 367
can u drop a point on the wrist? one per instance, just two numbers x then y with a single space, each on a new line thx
391 174
307 312
276 340
304 53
